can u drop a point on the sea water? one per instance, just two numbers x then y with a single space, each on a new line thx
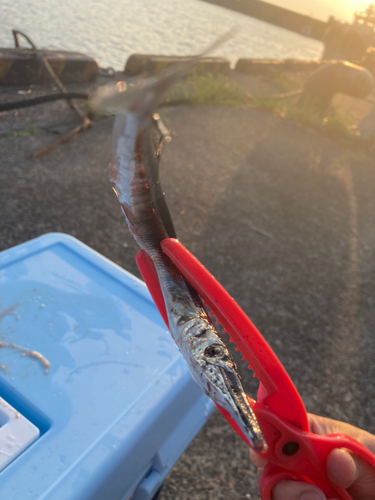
111 30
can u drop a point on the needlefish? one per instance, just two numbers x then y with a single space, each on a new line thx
138 140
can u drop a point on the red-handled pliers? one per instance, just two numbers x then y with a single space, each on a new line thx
293 452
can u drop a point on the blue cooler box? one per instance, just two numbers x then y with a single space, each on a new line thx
95 400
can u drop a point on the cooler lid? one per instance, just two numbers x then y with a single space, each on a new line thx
87 360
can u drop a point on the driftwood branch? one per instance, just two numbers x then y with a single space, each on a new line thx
86 122
17 42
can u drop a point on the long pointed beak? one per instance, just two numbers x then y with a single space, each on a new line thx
243 414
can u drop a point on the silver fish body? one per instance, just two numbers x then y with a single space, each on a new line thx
138 143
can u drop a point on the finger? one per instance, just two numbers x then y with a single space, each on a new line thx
323 426
352 473
320 425
293 490
257 460
341 468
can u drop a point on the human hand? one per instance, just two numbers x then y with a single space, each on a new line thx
344 469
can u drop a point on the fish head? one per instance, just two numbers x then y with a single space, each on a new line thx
219 378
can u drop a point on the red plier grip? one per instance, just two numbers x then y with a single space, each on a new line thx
293 452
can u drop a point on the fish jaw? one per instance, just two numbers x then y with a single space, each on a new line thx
214 370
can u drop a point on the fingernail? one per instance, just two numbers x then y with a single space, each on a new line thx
312 495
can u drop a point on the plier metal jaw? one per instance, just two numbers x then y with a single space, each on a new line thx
293 453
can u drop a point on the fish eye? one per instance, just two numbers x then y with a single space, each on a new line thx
214 351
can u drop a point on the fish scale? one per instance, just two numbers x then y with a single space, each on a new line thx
211 313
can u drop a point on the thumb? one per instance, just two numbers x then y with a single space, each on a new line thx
351 473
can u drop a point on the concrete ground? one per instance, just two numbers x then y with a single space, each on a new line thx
282 216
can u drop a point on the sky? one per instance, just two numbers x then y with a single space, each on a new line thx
321 9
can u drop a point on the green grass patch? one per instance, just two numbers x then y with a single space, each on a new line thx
217 89
23 133
340 126
210 89
282 81
286 82
335 124
306 114
277 106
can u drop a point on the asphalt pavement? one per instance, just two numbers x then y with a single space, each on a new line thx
281 215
